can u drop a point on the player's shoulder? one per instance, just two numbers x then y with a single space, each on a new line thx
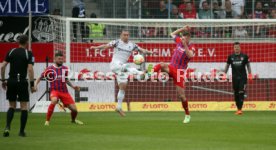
116 42
50 67
64 67
244 55
131 43
231 55
11 51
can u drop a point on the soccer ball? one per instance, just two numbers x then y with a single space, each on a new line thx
138 59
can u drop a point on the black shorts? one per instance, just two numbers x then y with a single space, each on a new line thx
18 91
239 85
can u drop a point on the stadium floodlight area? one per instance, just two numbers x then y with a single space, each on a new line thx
213 40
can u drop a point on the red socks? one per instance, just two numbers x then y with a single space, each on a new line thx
157 68
74 115
186 107
50 111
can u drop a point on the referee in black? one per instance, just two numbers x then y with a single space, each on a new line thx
239 62
21 62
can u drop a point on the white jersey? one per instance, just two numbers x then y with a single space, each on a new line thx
122 51
236 6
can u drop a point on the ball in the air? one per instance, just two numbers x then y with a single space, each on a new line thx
138 59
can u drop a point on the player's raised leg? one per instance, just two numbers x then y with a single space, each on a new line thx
161 67
10 114
51 108
184 101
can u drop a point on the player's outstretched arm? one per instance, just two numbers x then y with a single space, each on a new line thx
145 51
176 32
104 46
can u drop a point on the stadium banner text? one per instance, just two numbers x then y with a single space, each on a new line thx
21 7
176 106
205 52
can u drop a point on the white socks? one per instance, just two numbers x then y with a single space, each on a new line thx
120 97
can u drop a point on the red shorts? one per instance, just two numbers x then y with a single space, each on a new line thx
65 98
173 73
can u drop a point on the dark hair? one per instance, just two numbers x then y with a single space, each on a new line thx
23 39
58 54
93 15
236 43
124 30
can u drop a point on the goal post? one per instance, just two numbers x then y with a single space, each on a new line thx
213 40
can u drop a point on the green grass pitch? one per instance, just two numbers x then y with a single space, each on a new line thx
146 131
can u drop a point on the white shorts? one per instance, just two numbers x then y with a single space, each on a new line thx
122 71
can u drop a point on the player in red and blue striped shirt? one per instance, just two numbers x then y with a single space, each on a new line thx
57 76
182 55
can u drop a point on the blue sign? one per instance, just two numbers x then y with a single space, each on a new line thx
21 7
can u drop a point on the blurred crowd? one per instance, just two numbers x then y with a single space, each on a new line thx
184 9
208 9
212 9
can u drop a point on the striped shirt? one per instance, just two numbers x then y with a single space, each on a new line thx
179 59
57 77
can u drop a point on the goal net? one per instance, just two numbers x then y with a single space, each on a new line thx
213 40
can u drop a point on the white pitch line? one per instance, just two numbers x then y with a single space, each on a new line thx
212 90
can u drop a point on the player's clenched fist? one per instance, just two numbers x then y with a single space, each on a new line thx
77 88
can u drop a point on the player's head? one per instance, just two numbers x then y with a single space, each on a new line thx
93 15
124 35
59 59
23 40
237 48
186 36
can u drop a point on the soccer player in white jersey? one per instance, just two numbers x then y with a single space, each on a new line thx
123 49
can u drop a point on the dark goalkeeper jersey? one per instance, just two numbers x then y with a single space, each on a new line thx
238 64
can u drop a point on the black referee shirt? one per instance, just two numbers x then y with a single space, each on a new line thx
19 58
238 64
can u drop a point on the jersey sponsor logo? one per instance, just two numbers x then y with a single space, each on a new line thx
124 50
237 62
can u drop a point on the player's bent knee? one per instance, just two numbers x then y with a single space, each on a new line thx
122 86
73 107
54 101
182 97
